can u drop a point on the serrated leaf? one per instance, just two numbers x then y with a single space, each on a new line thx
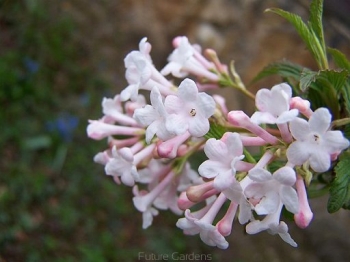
346 131
340 187
336 78
307 34
284 69
346 96
339 58
306 79
316 11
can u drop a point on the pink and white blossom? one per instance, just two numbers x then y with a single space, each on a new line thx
314 142
201 223
274 105
268 190
185 59
224 155
189 110
154 117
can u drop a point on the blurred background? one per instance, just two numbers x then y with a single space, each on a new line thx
59 58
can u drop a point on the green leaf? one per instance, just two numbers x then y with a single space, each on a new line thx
306 79
346 96
323 88
216 131
346 131
335 78
316 11
340 187
307 33
284 69
339 58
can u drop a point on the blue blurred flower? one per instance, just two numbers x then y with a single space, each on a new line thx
31 65
65 125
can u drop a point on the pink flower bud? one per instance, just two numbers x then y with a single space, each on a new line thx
305 215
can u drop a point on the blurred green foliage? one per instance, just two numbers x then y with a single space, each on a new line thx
55 202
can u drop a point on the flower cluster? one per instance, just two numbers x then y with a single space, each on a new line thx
151 146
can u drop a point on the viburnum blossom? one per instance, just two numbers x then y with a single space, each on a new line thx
271 189
187 59
274 105
189 110
314 141
153 147
154 117
224 157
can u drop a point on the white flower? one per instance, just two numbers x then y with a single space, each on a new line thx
273 225
154 117
189 110
186 59
269 190
314 141
121 164
223 155
274 105
113 108
149 212
200 222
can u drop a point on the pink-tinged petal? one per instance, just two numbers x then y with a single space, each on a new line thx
279 102
145 116
285 175
254 190
245 212
320 160
101 158
188 90
214 238
198 126
130 92
285 88
157 101
300 129
176 124
262 100
151 131
289 198
216 149
298 153
173 104
283 233
233 143
268 204
287 116
147 217
126 154
320 120
263 117
255 227
259 175
210 169
222 180
234 192
206 104
335 141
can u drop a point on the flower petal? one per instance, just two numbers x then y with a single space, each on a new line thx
320 160
188 90
198 126
299 129
285 175
289 198
259 174
320 120
298 153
